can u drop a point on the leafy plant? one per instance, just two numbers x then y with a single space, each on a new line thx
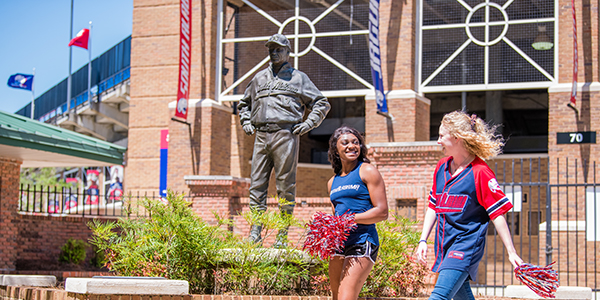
41 189
173 243
247 268
73 252
396 273
42 177
99 259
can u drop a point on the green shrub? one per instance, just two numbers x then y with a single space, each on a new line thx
175 243
73 252
248 269
396 273
99 258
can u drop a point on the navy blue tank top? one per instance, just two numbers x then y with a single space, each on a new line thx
350 194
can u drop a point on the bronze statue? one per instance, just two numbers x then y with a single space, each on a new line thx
273 107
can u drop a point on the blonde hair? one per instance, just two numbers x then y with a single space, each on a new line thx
478 137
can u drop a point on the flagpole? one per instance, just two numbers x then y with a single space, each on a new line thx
70 58
89 94
33 95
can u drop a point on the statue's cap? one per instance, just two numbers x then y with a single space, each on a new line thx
280 40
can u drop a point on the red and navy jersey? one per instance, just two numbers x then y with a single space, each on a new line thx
464 205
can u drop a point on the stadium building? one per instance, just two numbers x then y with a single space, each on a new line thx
511 62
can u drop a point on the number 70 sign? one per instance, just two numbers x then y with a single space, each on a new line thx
579 137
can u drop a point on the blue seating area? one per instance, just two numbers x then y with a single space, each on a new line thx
108 70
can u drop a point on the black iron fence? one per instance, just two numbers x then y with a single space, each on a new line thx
554 219
57 201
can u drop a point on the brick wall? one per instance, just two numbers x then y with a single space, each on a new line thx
407 170
410 120
154 73
397 25
27 240
40 238
9 195
573 163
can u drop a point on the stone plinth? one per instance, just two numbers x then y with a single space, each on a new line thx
563 292
28 280
127 286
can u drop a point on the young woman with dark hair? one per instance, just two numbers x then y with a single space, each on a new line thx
356 188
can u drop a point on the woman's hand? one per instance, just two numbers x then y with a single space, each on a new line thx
428 222
422 252
515 260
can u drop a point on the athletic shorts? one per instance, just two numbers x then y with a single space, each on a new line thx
365 249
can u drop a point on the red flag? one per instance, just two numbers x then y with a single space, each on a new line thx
575 58
81 40
185 54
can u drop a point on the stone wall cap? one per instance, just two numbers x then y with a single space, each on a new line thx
403 144
129 286
28 280
563 292
214 178
581 86
401 94
203 103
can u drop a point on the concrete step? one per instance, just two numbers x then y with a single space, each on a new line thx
28 280
127 286
563 292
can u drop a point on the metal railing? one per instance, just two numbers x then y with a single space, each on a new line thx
554 219
108 69
56 201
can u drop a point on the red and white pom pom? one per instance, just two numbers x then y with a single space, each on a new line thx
542 280
327 234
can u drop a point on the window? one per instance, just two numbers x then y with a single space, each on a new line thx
592 213
407 208
329 43
534 223
474 45
522 115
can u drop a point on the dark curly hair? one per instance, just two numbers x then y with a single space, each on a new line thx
332 154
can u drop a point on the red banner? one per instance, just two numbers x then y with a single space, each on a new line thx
81 40
185 55
575 58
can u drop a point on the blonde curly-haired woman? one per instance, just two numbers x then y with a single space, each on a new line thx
465 196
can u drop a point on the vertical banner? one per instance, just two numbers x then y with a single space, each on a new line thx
185 54
115 190
375 57
164 158
575 58
92 192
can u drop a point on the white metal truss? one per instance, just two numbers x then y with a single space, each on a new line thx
424 86
222 94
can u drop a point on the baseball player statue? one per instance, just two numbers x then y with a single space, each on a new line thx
273 107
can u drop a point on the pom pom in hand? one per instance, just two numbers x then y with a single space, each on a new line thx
542 280
327 234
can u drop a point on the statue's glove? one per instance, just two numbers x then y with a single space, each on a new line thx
248 128
301 128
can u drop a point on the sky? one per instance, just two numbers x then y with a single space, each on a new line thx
35 34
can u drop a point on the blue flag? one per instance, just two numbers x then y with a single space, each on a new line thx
21 81
375 57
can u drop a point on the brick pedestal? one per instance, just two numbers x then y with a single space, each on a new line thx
201 147
409 122
9 197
